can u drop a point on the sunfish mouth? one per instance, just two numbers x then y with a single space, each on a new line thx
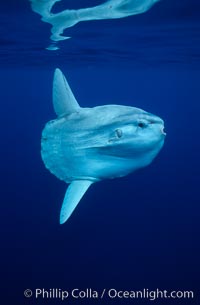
152 119
162 129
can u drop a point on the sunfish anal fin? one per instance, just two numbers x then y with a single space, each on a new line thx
64 101
74 193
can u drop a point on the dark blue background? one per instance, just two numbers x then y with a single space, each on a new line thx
141 231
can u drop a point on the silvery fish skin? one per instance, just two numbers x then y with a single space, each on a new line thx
86 145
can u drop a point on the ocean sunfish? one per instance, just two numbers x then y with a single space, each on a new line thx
86 145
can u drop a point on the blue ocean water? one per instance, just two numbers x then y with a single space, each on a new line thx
137 232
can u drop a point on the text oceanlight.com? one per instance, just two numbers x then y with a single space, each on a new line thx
112 293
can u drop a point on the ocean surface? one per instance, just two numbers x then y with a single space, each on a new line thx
133 233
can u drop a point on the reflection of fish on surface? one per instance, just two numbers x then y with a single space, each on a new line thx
86 145
111 9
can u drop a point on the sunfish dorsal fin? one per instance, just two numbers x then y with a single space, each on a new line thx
64 101
74 193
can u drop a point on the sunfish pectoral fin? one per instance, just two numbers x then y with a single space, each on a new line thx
64 101
74 193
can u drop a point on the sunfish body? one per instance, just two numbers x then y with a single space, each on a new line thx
86 145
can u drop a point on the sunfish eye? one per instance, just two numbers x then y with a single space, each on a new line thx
142 124
118 133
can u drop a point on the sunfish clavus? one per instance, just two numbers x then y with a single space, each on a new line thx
86 145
